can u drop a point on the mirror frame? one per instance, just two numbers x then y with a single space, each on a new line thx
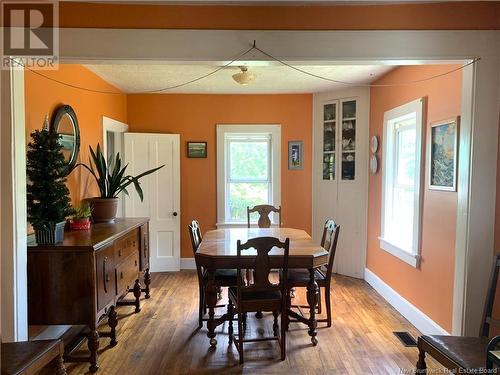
68 110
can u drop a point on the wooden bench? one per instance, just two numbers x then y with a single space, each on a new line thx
30 357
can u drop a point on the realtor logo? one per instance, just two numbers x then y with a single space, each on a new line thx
30 33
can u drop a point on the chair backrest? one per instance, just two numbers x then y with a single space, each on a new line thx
262 266
488 320
264 210
195 235
329 242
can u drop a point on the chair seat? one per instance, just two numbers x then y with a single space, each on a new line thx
255 296
467 352
300 277
224 277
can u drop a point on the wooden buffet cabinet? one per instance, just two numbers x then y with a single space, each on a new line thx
82 280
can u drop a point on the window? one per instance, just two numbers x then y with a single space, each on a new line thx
248 161
400 232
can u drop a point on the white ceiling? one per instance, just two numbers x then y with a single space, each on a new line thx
270 78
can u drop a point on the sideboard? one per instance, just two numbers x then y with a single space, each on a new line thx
82 280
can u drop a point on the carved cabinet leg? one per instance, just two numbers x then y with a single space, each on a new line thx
93 345
137 295
147 282
421 365
58 365
312 300
112 323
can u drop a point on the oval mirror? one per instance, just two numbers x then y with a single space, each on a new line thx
66 124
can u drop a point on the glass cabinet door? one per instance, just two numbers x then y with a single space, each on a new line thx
348 164
329 140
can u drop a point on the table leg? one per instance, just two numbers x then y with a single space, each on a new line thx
312 300
211 295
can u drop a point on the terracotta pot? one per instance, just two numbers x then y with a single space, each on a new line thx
104 209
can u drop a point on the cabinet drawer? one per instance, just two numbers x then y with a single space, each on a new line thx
126 245
105 267
144 250
126 273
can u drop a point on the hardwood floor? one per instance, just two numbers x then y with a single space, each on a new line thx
164 339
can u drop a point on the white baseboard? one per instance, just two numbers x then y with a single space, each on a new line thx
188 264
416 317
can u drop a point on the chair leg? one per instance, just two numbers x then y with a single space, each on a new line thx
244 322
319 300
240 337
284 322
275 323
201 307
288 307
328 304
230 314
421 365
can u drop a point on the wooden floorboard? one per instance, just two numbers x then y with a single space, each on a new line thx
163 338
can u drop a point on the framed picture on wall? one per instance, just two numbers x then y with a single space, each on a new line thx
295 155
196 149
443 154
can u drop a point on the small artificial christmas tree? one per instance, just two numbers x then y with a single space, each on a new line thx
47 195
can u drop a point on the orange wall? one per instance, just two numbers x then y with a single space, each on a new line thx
43 97
430 287
194 117
437 16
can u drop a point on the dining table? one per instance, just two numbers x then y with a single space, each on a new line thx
217 250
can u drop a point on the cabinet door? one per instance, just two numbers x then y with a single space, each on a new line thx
105 267
144 247
126 274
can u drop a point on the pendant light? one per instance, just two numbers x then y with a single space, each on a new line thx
244 77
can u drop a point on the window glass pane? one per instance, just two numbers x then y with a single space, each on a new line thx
401 226
249 160
243 194
405 173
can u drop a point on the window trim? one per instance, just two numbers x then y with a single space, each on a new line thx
274 130
415 106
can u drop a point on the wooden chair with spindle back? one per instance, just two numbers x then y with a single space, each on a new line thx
260 294
223 277
299 278
460 354
263 210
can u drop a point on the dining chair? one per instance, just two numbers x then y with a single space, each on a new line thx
299 278
260 294
223 277
263 210
461 354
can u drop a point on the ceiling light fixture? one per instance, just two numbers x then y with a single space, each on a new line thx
244 77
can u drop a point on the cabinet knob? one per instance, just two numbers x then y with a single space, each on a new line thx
133 244
120 253
174 213
135 263
107 277
121 275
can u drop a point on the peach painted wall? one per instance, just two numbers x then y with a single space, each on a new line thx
429 287
43 97
194 117
438 16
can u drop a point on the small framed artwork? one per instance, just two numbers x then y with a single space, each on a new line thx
295 155
443 149
196 149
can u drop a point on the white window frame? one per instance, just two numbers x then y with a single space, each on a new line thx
389 165
223 133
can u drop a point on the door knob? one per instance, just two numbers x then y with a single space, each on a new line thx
175 213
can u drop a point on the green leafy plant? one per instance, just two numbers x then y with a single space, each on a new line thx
47 195
110 176
82 211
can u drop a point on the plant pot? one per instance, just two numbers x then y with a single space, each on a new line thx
104 209
50 236
79 224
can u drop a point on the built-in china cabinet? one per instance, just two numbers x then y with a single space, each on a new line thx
340 172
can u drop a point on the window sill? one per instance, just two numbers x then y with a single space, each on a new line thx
411 259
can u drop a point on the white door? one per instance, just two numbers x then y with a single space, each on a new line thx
161 194
340 173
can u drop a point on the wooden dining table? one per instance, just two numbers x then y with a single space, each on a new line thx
218 251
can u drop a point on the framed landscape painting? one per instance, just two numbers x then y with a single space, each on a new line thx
196 149
443 147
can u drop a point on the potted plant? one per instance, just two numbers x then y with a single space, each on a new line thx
48 199
111 180
81 217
